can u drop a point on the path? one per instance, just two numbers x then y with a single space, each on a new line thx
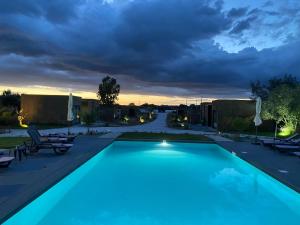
158 125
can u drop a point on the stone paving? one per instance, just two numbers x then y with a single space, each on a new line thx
25 180
281 166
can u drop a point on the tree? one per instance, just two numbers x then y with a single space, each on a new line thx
282 108
258 90
262 90
280 101
108 91
10 99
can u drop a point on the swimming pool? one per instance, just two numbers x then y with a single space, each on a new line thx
150 183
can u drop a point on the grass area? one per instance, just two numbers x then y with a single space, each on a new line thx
39 126
163 136
260 133
11 142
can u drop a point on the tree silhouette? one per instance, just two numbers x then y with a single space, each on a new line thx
108 91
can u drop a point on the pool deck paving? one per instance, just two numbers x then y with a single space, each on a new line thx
281 166
25 180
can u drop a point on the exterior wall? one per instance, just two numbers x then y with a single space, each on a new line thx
90 106
224 110
206 116
48 109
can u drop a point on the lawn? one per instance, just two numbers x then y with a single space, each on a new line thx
164 136
11 142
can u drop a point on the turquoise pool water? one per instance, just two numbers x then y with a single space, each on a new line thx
147 183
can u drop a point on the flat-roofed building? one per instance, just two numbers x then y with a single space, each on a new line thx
206 113
226 113
48 109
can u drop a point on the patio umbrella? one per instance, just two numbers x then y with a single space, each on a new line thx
70 116
257 119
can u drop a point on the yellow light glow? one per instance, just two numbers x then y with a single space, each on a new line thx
286 131
142 120
21 118
126 118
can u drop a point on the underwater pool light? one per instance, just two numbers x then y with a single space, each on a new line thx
164 143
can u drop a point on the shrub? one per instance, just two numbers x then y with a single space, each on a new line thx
241 124
8 119
88 118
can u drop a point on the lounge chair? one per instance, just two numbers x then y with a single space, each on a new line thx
5 161
288 148
296 154
269 141
37 144
51 139
56 135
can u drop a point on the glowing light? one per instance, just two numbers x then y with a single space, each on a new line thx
126 119
185 118
286 131
164 143
21 118
142 120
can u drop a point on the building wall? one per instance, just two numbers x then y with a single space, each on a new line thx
225 111
48 109
91 106
206 113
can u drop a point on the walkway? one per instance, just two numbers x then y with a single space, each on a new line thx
158 125
281 166
25 180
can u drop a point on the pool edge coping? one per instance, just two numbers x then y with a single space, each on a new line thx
160 139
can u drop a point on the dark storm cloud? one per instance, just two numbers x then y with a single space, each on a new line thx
146 43
237 12
14 41
53 10
242 25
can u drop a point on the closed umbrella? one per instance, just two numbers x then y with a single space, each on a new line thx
70 116
257 119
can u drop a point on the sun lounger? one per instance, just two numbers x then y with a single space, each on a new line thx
288 148
289 140
5 161
50 139
37 144
296 154
69 138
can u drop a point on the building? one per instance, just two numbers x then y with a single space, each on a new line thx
90 106
206 114
232 114
48 109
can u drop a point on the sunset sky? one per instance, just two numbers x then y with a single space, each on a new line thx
160 51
